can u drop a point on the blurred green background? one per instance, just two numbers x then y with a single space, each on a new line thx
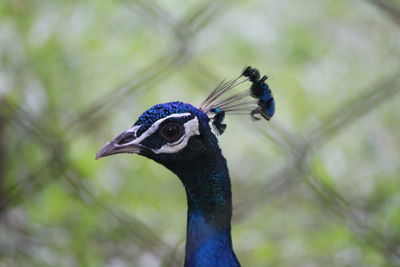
317 186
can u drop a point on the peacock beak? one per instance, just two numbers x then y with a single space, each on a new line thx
123 143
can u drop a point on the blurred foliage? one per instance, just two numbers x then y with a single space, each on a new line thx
318 186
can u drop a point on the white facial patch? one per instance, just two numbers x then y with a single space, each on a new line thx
191 129
133 129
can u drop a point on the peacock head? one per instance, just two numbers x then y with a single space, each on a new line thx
167 133
179 133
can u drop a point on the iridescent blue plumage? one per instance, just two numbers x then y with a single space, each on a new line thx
260 90
160 111
218 119
204 173
236 103
178 136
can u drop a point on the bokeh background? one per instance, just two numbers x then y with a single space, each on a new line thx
319 185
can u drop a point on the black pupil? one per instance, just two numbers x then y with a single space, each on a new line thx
171 131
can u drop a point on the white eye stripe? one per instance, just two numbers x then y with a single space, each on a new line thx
133 129
153 128
191 129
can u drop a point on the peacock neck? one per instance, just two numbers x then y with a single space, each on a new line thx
209 199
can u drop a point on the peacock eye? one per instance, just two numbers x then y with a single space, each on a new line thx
172 131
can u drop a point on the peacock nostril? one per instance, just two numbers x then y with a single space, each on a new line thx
127 139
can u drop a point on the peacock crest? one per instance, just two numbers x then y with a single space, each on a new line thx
178 136
262 102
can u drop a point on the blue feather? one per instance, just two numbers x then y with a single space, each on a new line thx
178 136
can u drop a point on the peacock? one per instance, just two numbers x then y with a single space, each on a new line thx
178 136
